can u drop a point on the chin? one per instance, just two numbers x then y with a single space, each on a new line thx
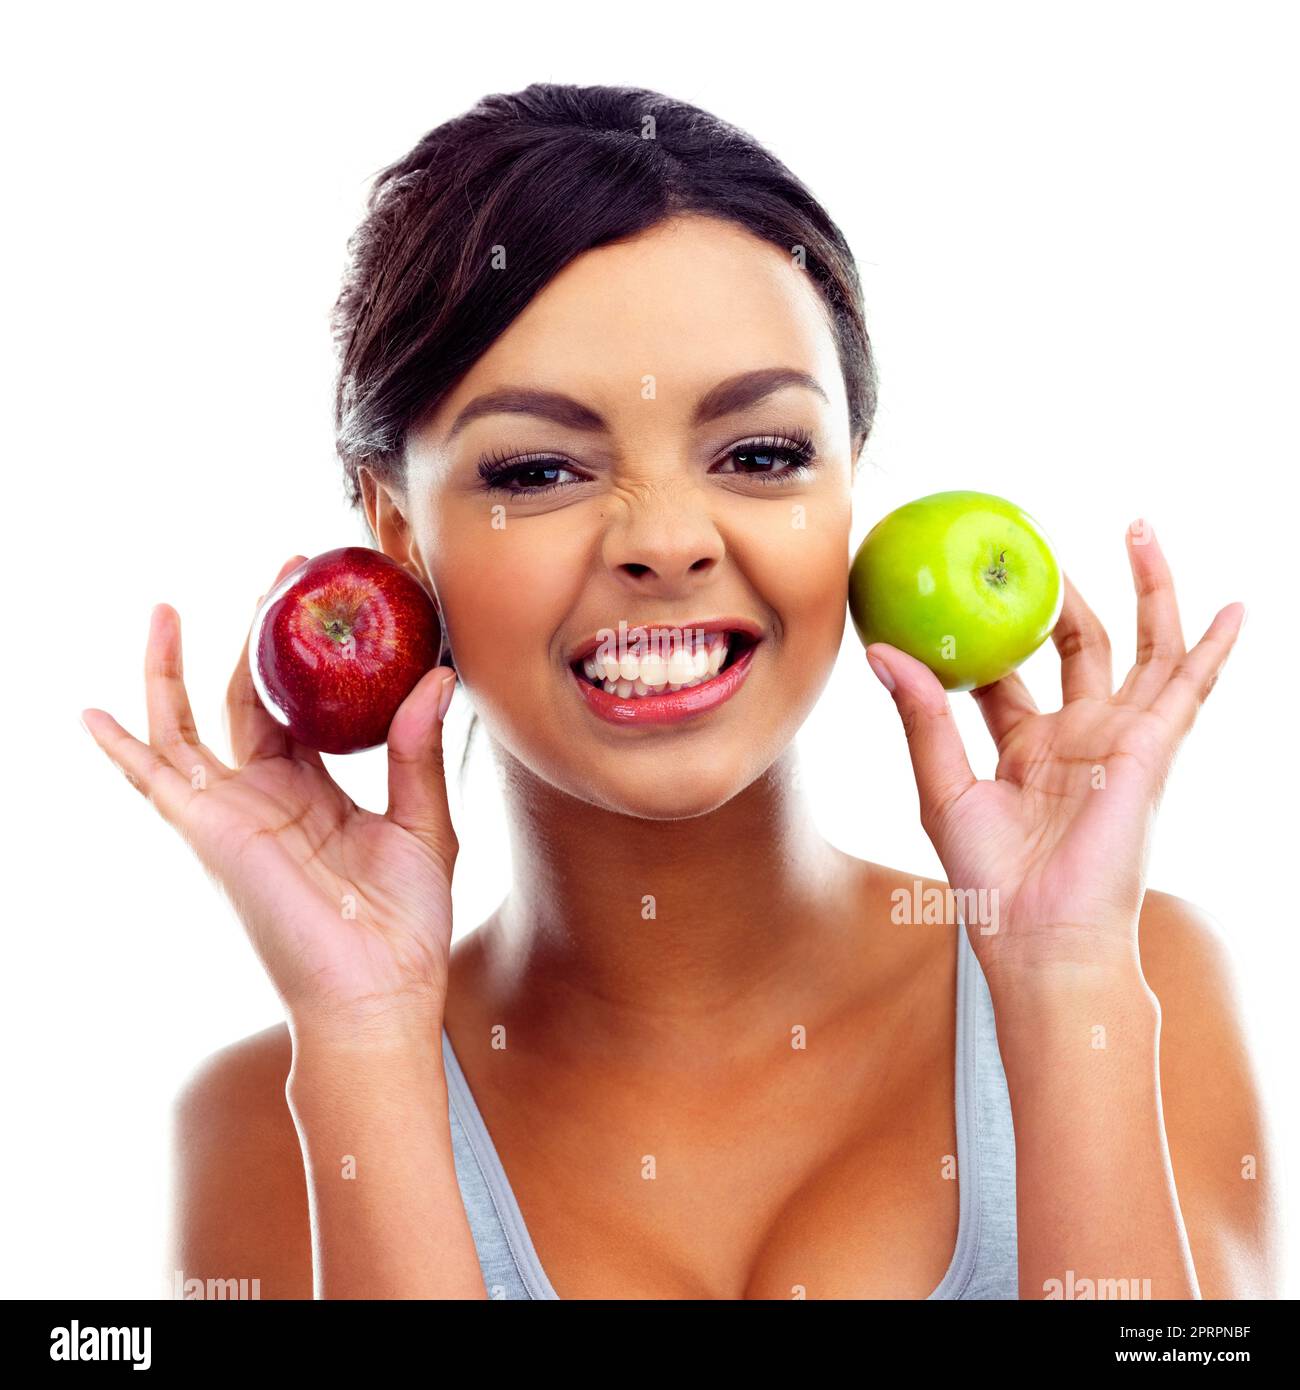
666 790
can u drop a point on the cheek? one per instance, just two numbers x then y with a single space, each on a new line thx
504 593
799 564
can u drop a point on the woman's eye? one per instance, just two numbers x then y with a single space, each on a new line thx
534 479
769 460
777 460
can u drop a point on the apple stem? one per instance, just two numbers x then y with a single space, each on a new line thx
997 571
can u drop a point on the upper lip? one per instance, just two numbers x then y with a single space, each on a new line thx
742 625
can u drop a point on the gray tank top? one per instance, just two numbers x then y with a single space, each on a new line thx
983 1263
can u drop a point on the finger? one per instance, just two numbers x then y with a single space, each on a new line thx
143 766
1004 704
943 774
1196 674
1160 644
417 782
1084 650
254 732
171 723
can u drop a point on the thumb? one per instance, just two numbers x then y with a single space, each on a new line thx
938 755
417 783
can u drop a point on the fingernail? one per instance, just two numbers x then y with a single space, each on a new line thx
448 685
882 673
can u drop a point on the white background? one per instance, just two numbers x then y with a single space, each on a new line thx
1077 232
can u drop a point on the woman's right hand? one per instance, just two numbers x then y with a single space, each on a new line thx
349 911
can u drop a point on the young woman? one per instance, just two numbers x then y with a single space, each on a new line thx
603 361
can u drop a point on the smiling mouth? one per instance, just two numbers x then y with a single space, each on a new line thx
656 675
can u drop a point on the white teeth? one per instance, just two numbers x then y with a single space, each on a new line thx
654 671
636 677
681 665
633 677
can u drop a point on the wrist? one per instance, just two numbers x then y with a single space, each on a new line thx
1046 969
394 1045
1050 991
330 1078
400 1024
1048 1025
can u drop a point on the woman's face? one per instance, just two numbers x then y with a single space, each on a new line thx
648 501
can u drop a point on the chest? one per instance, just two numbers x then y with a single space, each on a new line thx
831 1176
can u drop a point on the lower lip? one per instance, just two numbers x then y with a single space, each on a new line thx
667 709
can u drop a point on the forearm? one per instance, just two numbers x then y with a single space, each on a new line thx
387 1217
1095 1193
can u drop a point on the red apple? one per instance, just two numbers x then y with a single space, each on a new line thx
337 646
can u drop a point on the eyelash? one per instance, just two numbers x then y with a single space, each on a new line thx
795 448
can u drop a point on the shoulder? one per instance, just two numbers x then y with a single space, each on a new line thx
239 1190
1219 1146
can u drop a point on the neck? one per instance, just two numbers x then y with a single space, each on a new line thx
621 929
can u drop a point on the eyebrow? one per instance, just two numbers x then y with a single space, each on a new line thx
735 393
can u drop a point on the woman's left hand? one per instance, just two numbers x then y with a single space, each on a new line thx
1060 838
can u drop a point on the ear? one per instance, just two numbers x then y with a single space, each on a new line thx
386 517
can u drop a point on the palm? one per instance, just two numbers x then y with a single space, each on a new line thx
1059 840
349 911
361 905
1059 829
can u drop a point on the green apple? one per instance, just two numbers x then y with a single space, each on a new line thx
964 581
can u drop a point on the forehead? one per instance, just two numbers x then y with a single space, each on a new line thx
689 302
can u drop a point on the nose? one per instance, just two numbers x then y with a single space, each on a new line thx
664 543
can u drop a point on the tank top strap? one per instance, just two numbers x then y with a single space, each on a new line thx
984 1265
509 1263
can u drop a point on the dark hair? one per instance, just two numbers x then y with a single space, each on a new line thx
548 173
